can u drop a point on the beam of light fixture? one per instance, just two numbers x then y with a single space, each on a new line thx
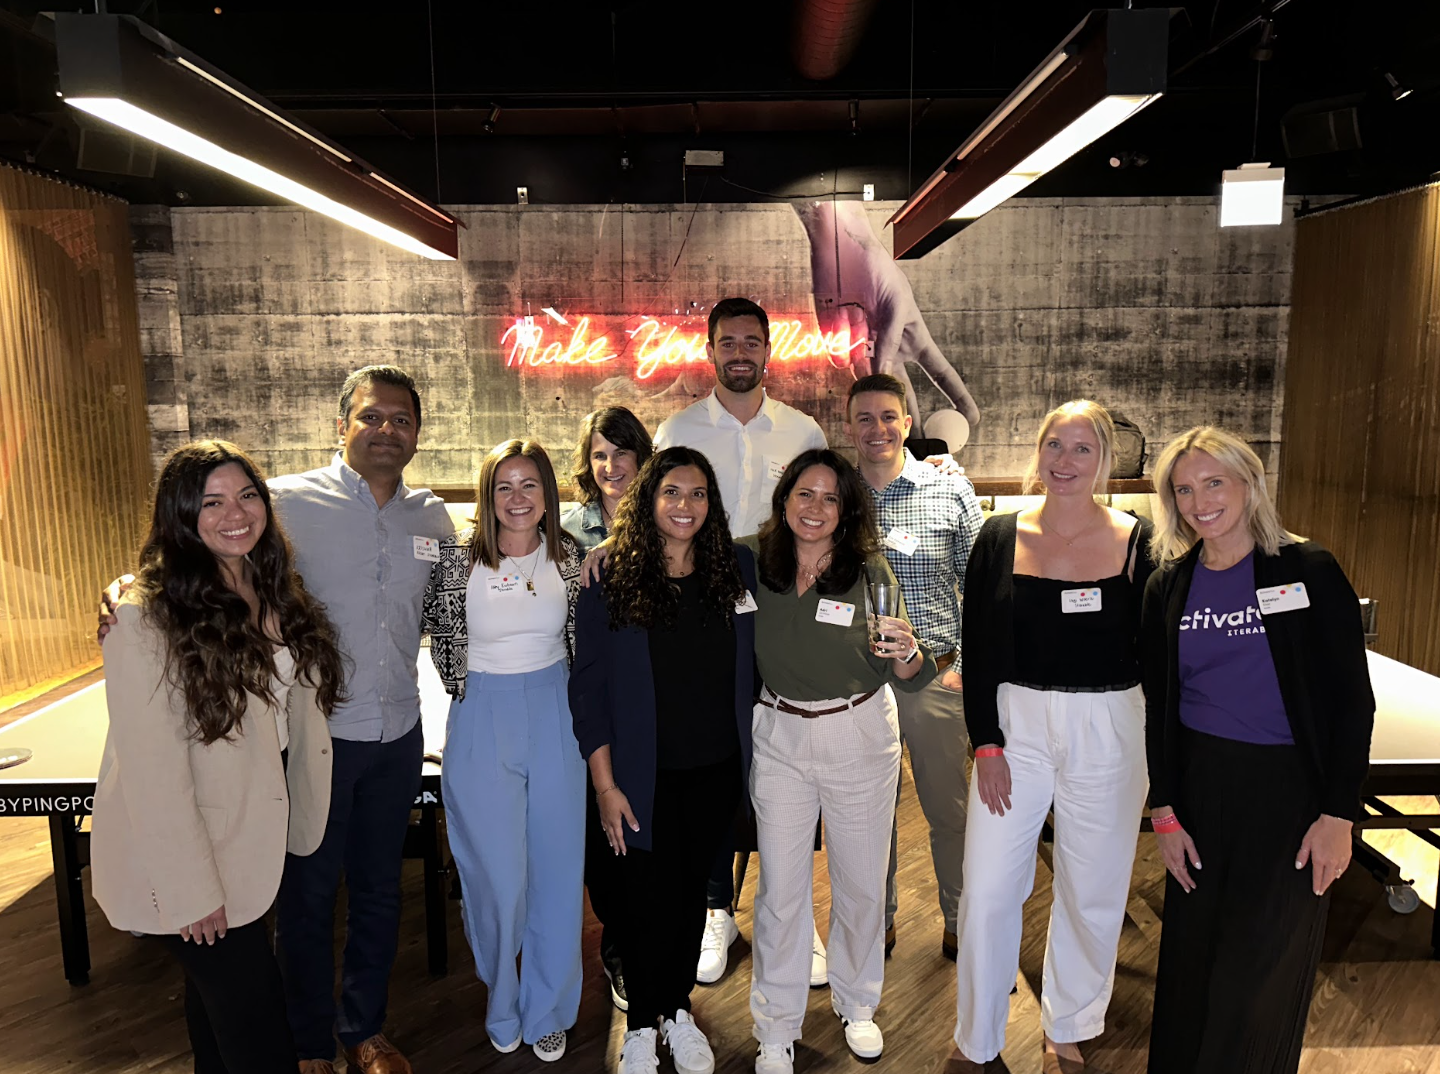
1253 194
1101 118
555 315
147 125
1397 91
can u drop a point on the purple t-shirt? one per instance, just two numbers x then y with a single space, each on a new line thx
1228 686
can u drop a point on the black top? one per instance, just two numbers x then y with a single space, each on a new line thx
988 635
1319 655
1057 649
693 666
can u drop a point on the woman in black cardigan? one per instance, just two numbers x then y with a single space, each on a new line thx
1258 719
662 694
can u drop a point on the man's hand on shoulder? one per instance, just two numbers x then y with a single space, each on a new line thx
109 601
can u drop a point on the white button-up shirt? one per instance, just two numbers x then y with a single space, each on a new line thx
748 459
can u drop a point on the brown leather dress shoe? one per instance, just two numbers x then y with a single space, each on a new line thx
316 1066
376 1056
950 945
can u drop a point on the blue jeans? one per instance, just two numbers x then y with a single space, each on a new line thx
372 791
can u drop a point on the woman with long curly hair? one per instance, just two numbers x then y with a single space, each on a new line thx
661 696
500 611
826 738
219 675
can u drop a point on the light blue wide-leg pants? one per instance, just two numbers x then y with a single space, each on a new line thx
514 787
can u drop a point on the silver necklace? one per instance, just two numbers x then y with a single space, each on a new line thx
1069 541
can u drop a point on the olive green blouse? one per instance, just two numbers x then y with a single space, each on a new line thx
803 659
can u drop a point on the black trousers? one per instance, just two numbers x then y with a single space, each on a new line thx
664 887
1238 954
602 879
235 1003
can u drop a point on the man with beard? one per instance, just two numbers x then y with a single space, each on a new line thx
749 439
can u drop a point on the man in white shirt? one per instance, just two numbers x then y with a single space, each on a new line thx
748 437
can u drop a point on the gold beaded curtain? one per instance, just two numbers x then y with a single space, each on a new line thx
74 444
1360 455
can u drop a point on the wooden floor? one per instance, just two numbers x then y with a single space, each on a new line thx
1376 1009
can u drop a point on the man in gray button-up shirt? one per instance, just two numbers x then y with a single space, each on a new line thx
363 543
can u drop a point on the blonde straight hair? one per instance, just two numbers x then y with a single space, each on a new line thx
1104 427
1174 537
485 548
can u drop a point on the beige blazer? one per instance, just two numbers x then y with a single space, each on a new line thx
181 829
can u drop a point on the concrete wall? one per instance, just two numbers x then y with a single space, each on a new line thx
252 317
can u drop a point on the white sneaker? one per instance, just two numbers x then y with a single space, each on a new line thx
864 1038
819 967
775 1059
689 1050
637 1053
551 1046
720 932
505 1049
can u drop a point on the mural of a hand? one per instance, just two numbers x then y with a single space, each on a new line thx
858 285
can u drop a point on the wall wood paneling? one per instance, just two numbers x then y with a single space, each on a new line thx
74 447
1360 466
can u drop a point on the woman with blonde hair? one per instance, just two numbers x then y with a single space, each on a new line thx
1257 690
500 611
1053 704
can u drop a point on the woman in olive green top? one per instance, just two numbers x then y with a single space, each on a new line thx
826 739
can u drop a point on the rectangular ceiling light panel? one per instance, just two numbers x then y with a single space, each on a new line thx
1251 195
121 71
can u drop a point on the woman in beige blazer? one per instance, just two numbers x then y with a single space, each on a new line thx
219 675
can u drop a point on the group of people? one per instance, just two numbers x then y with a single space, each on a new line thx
707 654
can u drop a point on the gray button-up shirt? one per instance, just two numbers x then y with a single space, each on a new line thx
359 560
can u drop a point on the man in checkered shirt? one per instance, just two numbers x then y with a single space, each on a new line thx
928 521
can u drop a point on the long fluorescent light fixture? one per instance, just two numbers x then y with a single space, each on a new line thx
123 72
1253 194
1112 65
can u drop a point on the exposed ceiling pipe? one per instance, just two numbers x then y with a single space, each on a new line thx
827 35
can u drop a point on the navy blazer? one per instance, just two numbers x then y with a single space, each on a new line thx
612 696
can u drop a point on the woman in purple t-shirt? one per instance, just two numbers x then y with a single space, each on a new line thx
1258 718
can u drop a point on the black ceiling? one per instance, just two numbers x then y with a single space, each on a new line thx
597 102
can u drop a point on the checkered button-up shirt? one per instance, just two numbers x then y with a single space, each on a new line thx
942 513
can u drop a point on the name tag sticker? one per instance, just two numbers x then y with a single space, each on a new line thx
1079 600
835 611
774 468
503 583
1283 598
903 542
747 605
427 548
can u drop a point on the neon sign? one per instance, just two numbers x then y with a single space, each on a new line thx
656 343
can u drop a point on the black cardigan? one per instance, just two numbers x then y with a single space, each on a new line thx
1319 655
988 620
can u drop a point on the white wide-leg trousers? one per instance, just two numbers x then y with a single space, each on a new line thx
1085 753
848 765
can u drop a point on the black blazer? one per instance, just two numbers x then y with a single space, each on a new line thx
987 635
612 696
1319 655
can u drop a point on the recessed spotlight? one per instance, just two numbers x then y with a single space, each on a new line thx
1397 91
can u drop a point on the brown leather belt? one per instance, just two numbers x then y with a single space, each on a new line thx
781 705
943 662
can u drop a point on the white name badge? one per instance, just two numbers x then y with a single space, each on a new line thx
1080 600
1283 598
774 468
427 548
503 583
835 611
903 542
747 605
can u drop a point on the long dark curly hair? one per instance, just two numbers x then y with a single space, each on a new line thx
637 590
856 537
215 655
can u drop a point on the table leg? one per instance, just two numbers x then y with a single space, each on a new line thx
65 853
436 944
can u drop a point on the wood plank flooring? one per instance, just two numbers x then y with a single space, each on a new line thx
1376 1009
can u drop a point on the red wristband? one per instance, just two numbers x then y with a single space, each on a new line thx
990 751
1166 824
